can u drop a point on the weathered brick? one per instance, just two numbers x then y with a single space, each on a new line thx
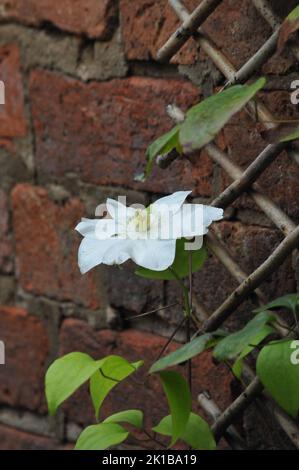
6 251
14 439
135 345
89 17
46 247
12 115
82 122
103 60
26 352
147 25
103 129
131 293
42 47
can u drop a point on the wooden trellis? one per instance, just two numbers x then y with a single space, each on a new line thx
243 181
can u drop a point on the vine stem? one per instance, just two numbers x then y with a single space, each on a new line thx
188 322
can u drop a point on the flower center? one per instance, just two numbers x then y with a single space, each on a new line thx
141 221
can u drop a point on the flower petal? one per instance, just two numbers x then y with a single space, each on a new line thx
174 201
193 220
119 211
156 255
97 228
93 252
151 254
211 214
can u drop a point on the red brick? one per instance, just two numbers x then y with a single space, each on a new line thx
131 293
6 251
46 247
135 345
102 130
147 25
91 17
14 439
12 115
26 352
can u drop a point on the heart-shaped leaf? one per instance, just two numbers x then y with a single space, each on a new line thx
101 436
189 350
202 123
255 341
206 119
232 345
133 417
179 399
280 374
160 146
66 375
197 433
112 371
289 301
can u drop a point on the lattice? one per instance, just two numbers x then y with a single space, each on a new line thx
243 181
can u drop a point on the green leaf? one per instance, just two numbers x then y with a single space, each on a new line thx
180 265
179 399
234 344
66 375
134 417
197 433
279 375
101 436
113 370
260 336
288 27
160 146
189 350
204 120
289 301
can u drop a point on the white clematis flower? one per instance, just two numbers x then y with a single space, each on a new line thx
147 236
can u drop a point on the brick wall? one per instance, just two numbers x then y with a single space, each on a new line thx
84 98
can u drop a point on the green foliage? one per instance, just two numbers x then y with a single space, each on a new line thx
197 433
189 350
133 417
66 375
289 301
101 436
179 399
206 119
232 345
279 375
180 265
113 370
202 123
288 28
260 336
161 146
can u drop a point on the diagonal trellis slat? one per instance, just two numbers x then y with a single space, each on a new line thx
243 181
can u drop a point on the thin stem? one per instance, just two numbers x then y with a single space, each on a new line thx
153 438
188 323
151 311
170 339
